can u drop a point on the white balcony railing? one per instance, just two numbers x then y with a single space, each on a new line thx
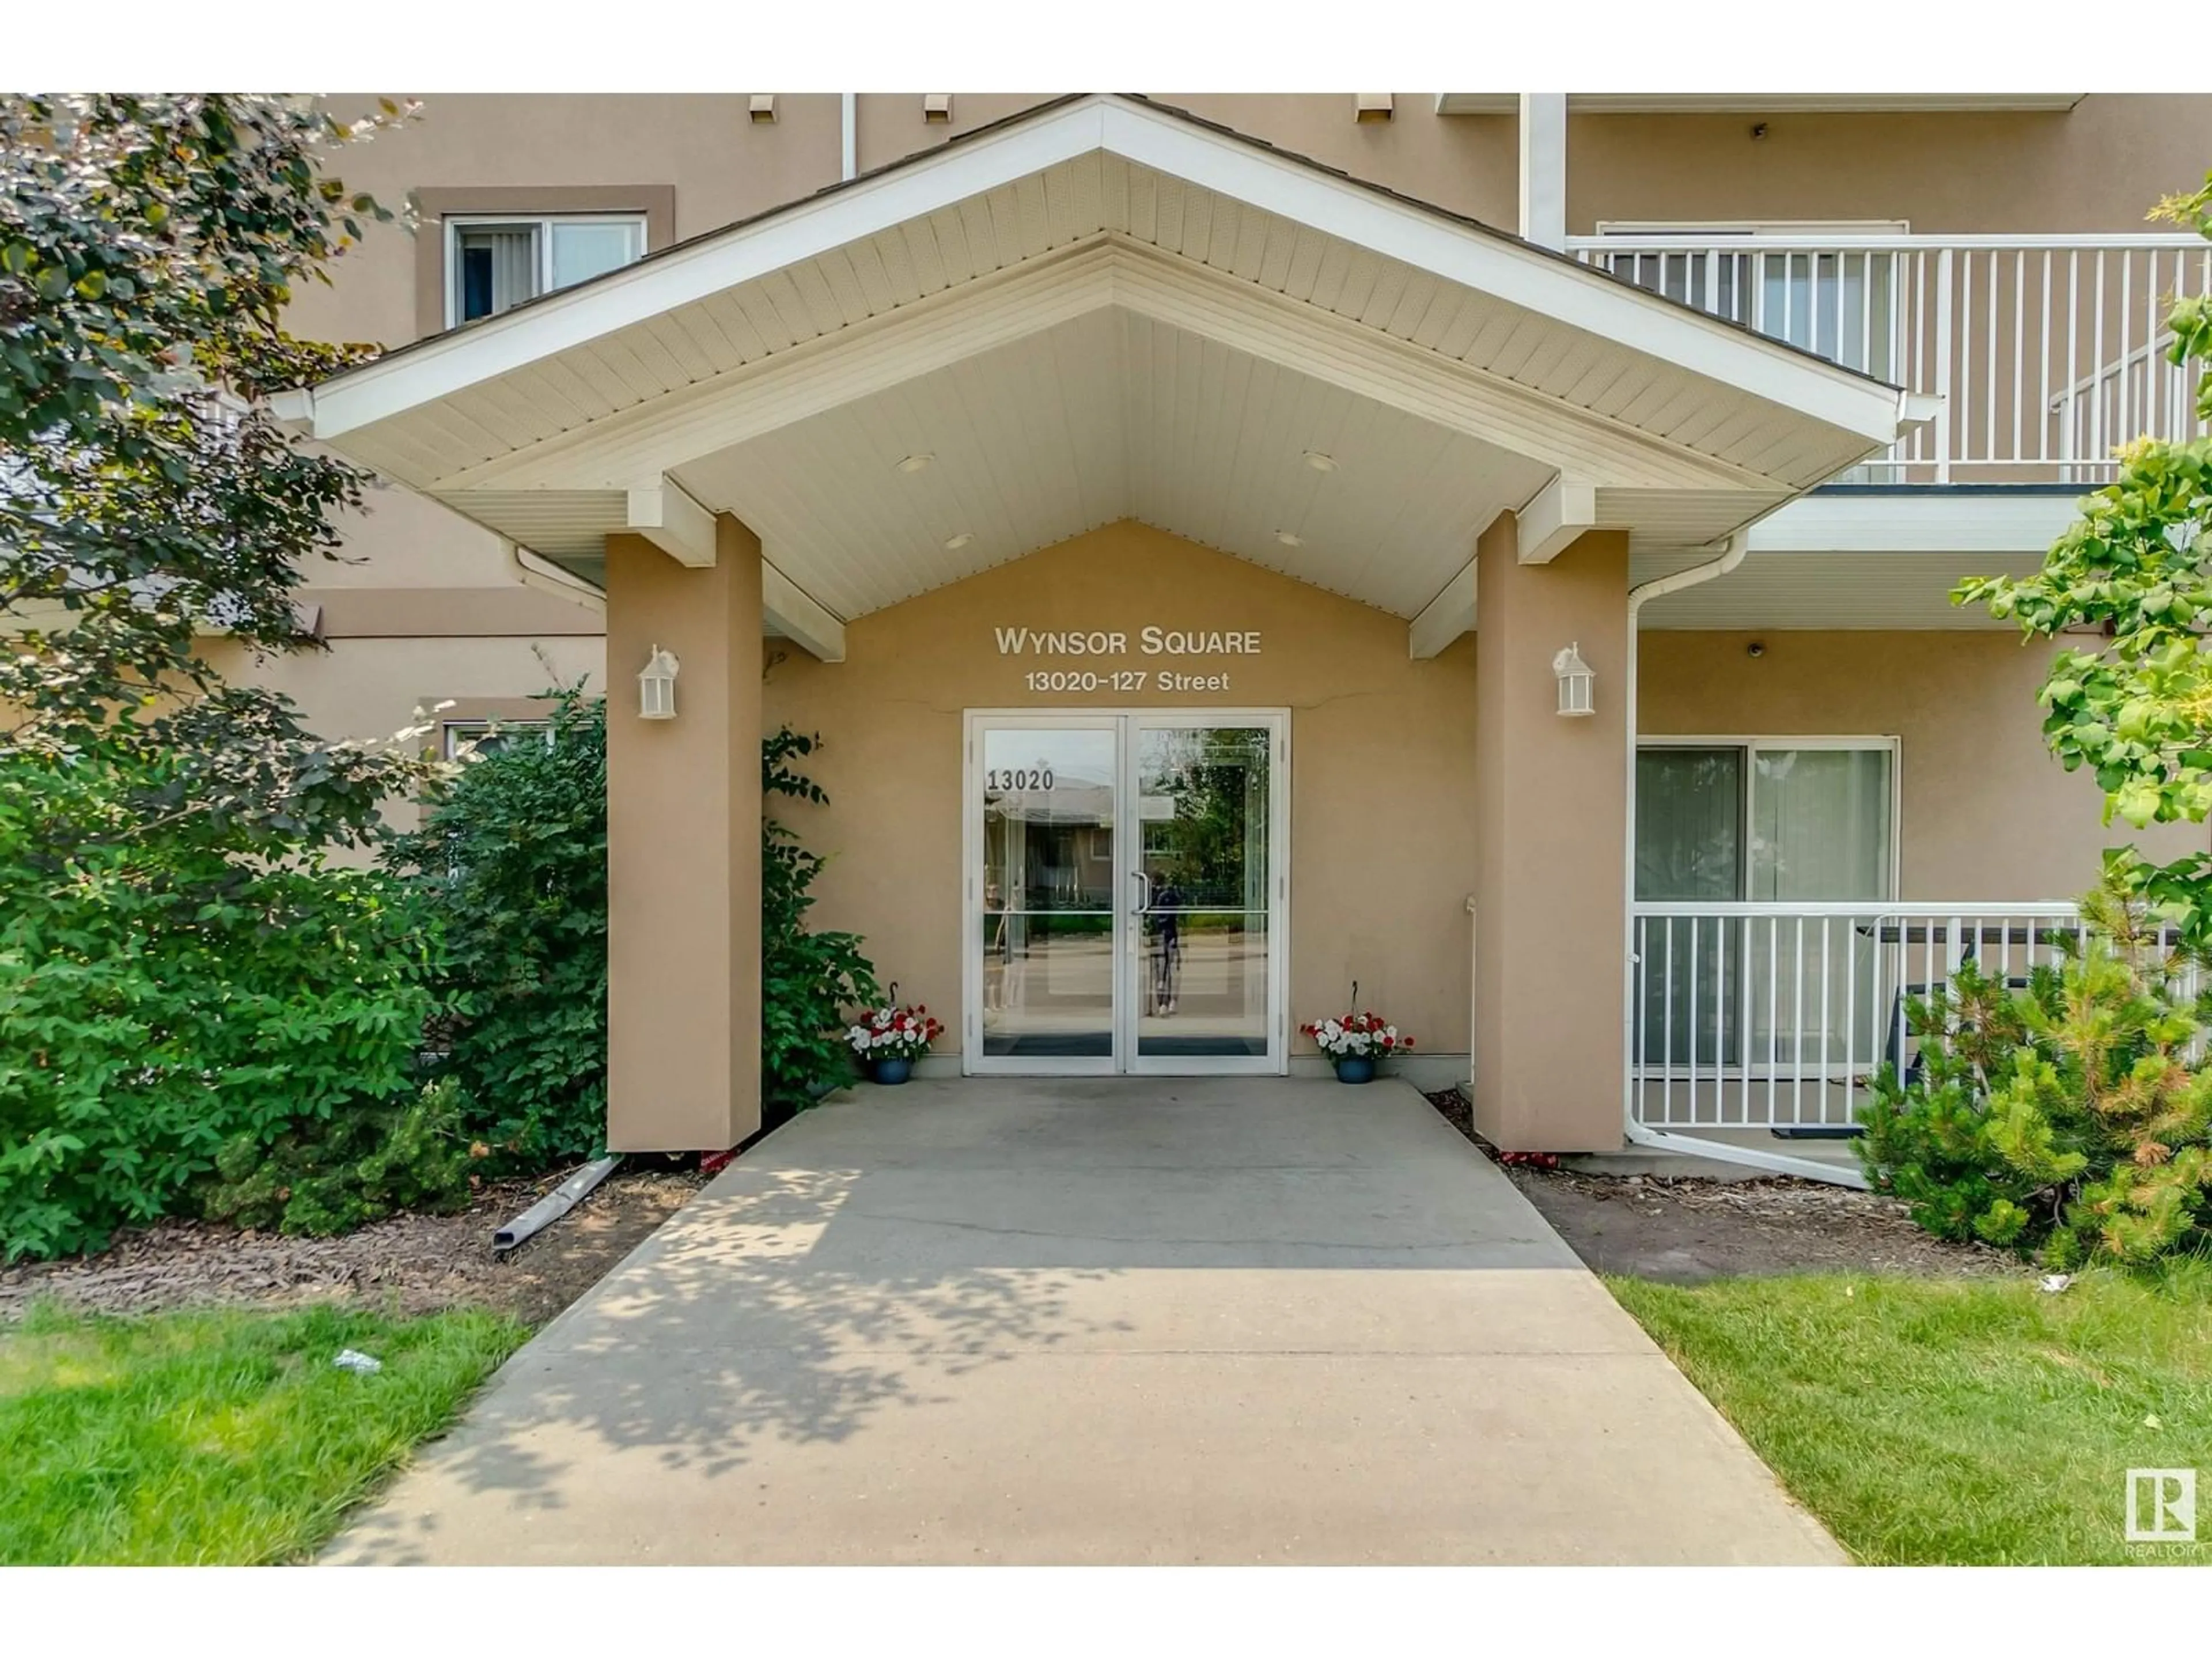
2048 352
1776 1016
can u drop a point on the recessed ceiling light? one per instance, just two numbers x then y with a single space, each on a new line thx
1319 462
954 543
911 464
1290 538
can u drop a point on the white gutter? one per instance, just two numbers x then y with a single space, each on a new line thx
295 410
1732 555
850 122
534 570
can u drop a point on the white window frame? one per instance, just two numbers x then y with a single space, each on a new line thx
1751 745
1124 1060
471 728
542 224
1744 1067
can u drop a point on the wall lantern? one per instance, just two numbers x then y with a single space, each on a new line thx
1577 680
656 687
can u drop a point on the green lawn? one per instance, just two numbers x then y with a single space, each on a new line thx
1931 1421
217 1436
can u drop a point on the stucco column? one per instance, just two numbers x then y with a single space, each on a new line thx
683 805
1551 826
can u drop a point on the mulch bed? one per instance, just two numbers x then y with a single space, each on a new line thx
410 1263
1683 1229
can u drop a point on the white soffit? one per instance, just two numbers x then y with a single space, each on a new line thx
1113 416
1849 558
1099 164
1944 518
977 267
1792 592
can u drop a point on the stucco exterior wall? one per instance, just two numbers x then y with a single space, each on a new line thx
2097 167
370 689
722 167
683 868
1985 814
1551 802
1382 750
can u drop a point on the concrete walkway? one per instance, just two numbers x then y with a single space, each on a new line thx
1232 1321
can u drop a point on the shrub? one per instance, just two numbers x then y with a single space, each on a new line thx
808 980
2071 1117
162 998
512 856
2128 588
372 1161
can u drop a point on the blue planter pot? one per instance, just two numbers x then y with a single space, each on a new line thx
1356 1068
888 1072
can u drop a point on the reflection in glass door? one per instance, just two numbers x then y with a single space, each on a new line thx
1050 918
1126 885
1204 815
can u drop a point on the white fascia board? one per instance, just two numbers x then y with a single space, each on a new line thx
1920 522
665 515
1444 618
1554 517
1544 284
1549 285
798 614
483 350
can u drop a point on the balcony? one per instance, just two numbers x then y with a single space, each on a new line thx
2047 352
1775 1016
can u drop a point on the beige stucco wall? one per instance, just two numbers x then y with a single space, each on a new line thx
684 869
1986 813
1381 763
722 167
370 689
2097 167
1552 808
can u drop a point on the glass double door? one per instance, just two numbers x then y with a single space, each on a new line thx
1124 891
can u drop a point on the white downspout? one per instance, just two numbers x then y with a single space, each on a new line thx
1779 1162
849 122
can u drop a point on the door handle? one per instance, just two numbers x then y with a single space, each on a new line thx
1144 891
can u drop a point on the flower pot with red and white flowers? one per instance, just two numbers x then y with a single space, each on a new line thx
889 1040
1357 1043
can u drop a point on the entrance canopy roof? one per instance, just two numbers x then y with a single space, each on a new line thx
1103 309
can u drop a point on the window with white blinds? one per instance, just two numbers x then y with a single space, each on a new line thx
493 263
1768 821
1772 822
